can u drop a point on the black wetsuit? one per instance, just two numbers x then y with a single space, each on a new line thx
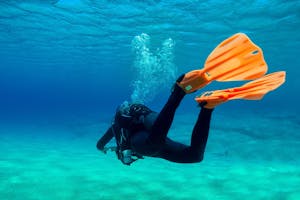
153 141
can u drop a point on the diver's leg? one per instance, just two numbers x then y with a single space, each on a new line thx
180 153
165 118
200 132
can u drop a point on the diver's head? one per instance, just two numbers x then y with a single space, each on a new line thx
123 117
124 108
131 115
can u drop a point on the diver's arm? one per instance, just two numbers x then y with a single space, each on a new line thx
105 139
149 120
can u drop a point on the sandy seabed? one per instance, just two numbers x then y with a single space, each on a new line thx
254 160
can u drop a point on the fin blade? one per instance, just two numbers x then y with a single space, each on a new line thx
254 90
236 58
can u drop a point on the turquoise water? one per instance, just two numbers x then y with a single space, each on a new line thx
66 65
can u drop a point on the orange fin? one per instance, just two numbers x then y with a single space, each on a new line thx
253 90
236 58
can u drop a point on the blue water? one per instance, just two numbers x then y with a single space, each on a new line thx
67 64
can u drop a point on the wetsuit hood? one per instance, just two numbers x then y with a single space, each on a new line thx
129 116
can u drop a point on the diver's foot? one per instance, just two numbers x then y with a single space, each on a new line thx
193 81
204 106
211 104
178 84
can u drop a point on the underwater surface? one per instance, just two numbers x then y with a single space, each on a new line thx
65 65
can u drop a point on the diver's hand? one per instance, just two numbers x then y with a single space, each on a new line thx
105 149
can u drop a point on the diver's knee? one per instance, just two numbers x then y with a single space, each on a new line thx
198 157
99 146
197 160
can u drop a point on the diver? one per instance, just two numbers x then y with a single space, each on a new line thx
140 132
